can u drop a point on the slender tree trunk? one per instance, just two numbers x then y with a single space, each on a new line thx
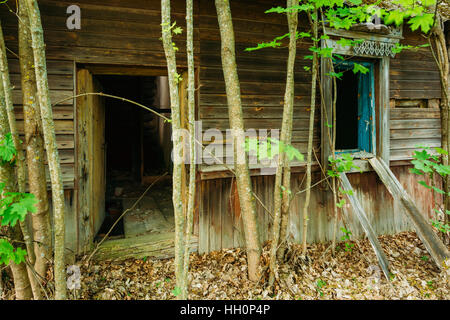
34 144
21 281
447 103
441 56
315 69
21 178
281 195
333 153
244 186
192 135
51 147
177 142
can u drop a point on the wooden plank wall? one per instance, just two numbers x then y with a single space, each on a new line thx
415 93
220 223
262 73
60 75
414 74
413 127
123 32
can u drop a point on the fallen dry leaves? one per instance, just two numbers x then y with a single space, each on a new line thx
320 275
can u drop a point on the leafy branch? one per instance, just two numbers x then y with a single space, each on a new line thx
14 206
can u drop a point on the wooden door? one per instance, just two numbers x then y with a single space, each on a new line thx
90 157
366 110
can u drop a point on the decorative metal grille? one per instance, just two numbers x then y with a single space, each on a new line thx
375 48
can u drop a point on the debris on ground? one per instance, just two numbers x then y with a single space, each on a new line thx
351 274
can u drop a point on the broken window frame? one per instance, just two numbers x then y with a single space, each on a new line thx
381 75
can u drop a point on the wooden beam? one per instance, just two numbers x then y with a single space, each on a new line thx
157 246
362 217
103 69
432 243
384 126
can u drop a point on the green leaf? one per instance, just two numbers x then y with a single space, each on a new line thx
341 203
441 151
19 256
15 206
424 22
8 254
176 291
360 68
7 149
177 30
423 183
421 155
395 16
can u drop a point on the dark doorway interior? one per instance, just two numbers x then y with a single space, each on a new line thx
347 112
136 144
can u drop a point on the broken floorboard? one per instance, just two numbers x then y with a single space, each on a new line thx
157 246
362 217
424 231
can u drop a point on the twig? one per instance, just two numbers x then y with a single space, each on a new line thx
113 97
121 216
37 276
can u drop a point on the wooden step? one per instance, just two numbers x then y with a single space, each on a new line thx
156 246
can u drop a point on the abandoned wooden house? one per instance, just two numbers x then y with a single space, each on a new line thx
111 150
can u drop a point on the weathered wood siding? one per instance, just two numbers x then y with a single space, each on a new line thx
221 224
414 74
112 32
262 73
415 90
60 75
413 127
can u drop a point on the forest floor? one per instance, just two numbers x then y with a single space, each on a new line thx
346 275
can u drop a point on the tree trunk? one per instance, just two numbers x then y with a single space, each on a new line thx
192 146
177 142
21 281
34 144
315 67
20 160
441 56
51 147
244 186
281 195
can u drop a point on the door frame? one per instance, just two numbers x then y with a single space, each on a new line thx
85 183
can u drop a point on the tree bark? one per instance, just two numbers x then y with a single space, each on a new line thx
177 142
233 91
192 135
51 147
20 160
315 67
34 144
441 56
281 195
21 281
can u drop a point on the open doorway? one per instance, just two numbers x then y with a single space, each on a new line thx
136 151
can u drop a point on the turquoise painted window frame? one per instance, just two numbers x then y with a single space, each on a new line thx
366 109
